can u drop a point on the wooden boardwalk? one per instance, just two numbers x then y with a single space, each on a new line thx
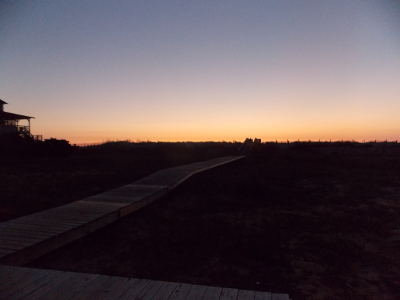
27 283
27 238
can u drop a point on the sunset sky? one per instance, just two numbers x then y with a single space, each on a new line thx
90 71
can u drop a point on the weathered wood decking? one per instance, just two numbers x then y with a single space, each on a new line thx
27 283
27 238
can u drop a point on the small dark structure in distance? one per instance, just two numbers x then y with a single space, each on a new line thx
9 123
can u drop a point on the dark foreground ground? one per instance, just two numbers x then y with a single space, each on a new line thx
313 220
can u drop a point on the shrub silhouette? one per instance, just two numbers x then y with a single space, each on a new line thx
12 144
55 147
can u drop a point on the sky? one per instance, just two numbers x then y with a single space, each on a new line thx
92 71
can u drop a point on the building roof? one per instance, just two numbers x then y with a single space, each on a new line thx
3 102
10 116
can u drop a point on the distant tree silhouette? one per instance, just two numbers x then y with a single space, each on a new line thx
55 147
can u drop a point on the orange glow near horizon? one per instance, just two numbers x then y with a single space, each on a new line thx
228 137
291 126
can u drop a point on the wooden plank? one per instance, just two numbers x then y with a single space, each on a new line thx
62 218
94 212
15 275
205 165
78 214
72 286
180 292
196 292
12 248
120 289
73 216
49 214
212 293
38 224
101 198
34 231
71 221
137 205
30 284
190 167
18 238
38 236
149 290
7 270
229 294
23 222
75 220
134 290
68 218
86 205
4 252
53 282
91 287
19 283
164 177
11 273
246 295
276 296
165 291
136 192
36 227
85 208
262 296
21 243
75 211
35 224
109 290
37 250
36 284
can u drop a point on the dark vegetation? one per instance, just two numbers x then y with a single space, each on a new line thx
315 220
15 145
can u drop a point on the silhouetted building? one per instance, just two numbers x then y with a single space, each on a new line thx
245 148
9 122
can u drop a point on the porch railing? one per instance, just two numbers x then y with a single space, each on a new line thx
22 128
25 130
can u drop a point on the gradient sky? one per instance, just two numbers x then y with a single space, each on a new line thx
90 71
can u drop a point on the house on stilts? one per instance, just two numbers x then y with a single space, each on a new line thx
9 123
